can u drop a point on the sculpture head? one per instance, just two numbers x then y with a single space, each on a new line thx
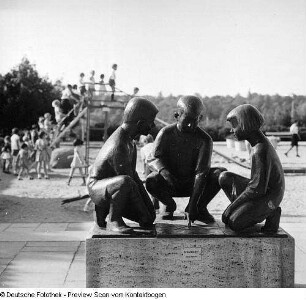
244 120
140 113
189 113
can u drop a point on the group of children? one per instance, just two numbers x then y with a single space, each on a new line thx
91 82
21 153
33 151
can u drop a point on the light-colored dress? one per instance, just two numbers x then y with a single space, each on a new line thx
41 147
23 158
78 157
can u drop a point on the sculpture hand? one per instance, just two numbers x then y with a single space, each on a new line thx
192 214
189 222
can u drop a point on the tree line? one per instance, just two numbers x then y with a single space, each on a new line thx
278 111
24 96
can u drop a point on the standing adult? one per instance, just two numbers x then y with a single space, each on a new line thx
15 146
295 137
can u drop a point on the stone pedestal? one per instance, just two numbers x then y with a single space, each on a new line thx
202 256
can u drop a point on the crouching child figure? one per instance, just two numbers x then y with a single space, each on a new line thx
257 199
113 183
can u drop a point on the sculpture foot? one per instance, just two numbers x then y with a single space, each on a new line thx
272 222
167 216
147 226
100 222
119 227
205 217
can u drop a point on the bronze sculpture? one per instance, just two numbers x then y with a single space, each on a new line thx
181 164
113 183
257 199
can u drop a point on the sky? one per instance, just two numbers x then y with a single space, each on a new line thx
210 47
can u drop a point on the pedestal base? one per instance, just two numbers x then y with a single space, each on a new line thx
202 256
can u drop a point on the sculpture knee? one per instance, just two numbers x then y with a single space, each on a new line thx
236 222
219 171
125 182
233 224
224 179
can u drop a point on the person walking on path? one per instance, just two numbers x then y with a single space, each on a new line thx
295 137
78 160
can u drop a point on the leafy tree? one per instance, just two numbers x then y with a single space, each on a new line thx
24 96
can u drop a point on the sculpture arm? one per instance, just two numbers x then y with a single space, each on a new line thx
143 192
121 162
260 175
144 195
157 161
201 172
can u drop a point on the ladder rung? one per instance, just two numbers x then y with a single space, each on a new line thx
95 106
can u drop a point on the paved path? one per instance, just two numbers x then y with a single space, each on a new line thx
43 255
